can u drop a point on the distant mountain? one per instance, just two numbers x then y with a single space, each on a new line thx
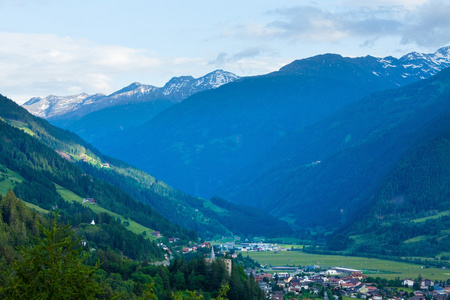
200 143
329 173
207 217
95 116
408 69
77 106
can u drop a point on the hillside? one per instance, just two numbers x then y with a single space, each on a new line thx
340 162
410 209
41 170
41 258
194 213
198 144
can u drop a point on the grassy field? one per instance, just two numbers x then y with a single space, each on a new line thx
370 266
8 180
222 241
37 208
441 214
133 227
21 126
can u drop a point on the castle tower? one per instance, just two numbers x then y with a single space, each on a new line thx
212 256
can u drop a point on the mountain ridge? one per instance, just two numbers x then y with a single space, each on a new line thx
342 159
197 214
236 122
76 106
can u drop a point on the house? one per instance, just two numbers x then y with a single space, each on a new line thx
334 282
347 285
425 283
407 282
318 279
156 234
278 295
89 200
295 288
331 272
265 287
363 289
348 271
260 277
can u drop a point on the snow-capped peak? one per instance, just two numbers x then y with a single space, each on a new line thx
187 85
54 105
176 90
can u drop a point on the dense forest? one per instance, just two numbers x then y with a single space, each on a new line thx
200 215
54 263
42 168
409 215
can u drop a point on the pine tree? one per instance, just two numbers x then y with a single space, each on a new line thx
53 269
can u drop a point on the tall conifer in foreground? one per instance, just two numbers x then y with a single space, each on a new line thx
53 269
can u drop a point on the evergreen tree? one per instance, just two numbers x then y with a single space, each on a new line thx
53 269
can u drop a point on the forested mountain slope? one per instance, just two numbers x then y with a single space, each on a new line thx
197 144
194 213
42 169
329 172
410 210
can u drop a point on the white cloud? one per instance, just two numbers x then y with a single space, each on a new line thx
42 64
428 25
423 23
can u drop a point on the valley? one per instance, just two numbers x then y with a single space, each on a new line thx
220 150
334 161
370 266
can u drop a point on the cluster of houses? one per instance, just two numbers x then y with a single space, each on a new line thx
349 283
194 248
250 247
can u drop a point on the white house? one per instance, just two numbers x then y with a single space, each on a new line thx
407 282
331 272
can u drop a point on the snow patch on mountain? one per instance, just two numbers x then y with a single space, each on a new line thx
176 90
55 105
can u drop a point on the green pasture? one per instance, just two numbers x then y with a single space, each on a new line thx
370 266
213 207
21 126
441 214
8 179
286 242
133 227
37 208
416 239
222 241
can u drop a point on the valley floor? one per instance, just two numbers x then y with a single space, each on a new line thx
370 266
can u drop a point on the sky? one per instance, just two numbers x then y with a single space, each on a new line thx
61 47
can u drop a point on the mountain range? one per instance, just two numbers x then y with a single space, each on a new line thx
351 144
93 116
199 143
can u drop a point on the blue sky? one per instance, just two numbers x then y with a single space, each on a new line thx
64 47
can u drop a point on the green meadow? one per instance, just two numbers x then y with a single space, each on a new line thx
8 179
133 226
370 266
